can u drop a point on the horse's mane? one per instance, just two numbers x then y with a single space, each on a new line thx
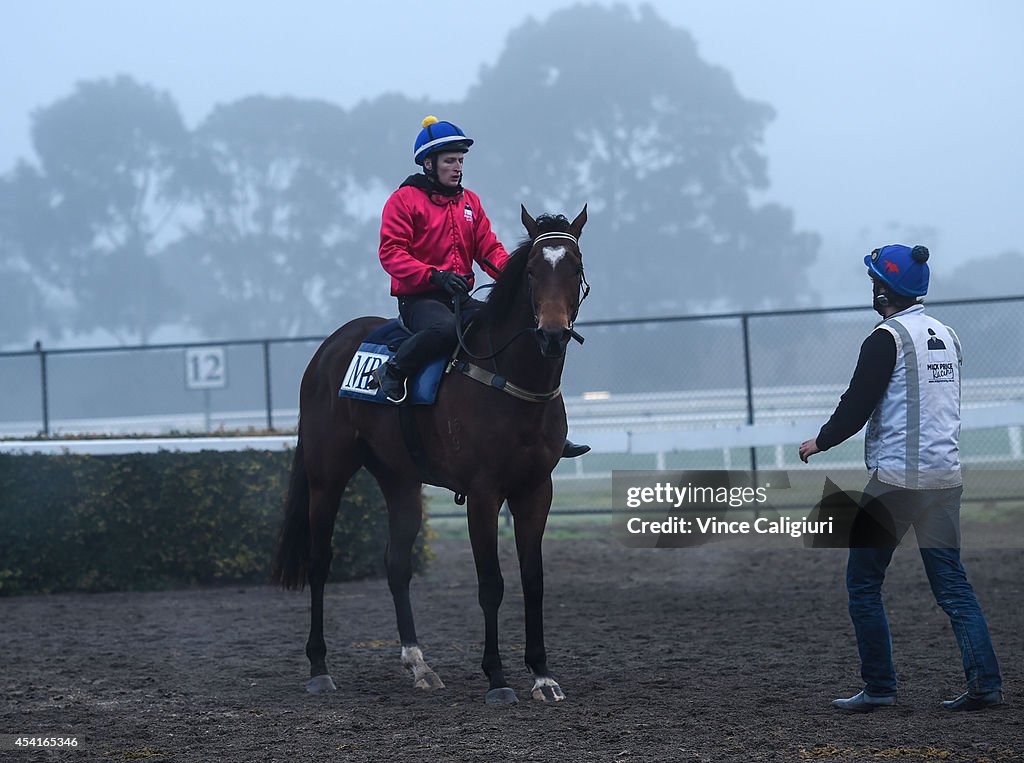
506 287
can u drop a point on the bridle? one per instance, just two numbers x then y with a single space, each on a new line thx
584 287
584 292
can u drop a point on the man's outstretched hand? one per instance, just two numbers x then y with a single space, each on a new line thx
808 448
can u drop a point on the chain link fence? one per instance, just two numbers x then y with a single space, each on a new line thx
728 391
742 391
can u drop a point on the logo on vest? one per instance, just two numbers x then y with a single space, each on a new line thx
941 368
358 374
467 212
942 372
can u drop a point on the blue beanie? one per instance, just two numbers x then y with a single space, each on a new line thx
438 136
902 269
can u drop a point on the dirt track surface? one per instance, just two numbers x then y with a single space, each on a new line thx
709 654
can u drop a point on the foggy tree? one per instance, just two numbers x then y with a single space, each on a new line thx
617 109
996 275
23 227
380 134
290 214
992 334
264 221
272 252
110 157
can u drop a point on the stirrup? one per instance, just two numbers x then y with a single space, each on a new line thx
380 377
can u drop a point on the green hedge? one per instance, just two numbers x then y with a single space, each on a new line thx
164 520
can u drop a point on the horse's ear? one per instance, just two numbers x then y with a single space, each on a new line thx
576 226
529 223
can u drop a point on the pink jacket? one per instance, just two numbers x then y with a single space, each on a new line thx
421 231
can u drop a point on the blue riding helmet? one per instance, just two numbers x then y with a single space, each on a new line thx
439 136
902 269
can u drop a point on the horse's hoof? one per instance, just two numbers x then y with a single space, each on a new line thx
502 696
428 681
321 684
547 690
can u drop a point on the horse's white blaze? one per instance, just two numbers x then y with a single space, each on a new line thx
553 254
422 676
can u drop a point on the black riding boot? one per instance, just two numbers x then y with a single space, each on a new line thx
409 358
390 378
572 450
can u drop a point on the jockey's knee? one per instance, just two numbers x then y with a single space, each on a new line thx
442 332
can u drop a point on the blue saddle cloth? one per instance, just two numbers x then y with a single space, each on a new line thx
378 348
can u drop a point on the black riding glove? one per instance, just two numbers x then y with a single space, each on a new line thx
453 283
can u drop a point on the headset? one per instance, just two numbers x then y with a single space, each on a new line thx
882 298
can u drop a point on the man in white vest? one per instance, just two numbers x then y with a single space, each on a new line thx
906 387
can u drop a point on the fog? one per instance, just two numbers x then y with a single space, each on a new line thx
887 122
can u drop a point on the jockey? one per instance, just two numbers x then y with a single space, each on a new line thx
432 231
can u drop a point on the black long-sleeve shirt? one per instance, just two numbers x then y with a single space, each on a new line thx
870 378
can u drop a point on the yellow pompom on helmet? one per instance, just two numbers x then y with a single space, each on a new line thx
438 135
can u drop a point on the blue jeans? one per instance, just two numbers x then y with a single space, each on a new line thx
935 517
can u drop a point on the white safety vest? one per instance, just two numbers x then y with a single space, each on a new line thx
913 436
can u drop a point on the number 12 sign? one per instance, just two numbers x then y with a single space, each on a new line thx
206 368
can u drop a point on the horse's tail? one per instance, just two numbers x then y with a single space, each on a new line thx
291 557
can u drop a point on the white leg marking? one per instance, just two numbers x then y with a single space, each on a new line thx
553 254
422 676
547 690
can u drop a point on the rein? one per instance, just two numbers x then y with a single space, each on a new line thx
462 337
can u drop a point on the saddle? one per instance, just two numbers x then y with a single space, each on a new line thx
378 348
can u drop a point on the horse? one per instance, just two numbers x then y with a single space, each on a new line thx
491 436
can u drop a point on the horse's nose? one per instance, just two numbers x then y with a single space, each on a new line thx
552 341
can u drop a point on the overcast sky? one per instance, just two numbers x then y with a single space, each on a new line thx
903 112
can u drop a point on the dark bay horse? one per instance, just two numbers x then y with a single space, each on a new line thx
488 443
